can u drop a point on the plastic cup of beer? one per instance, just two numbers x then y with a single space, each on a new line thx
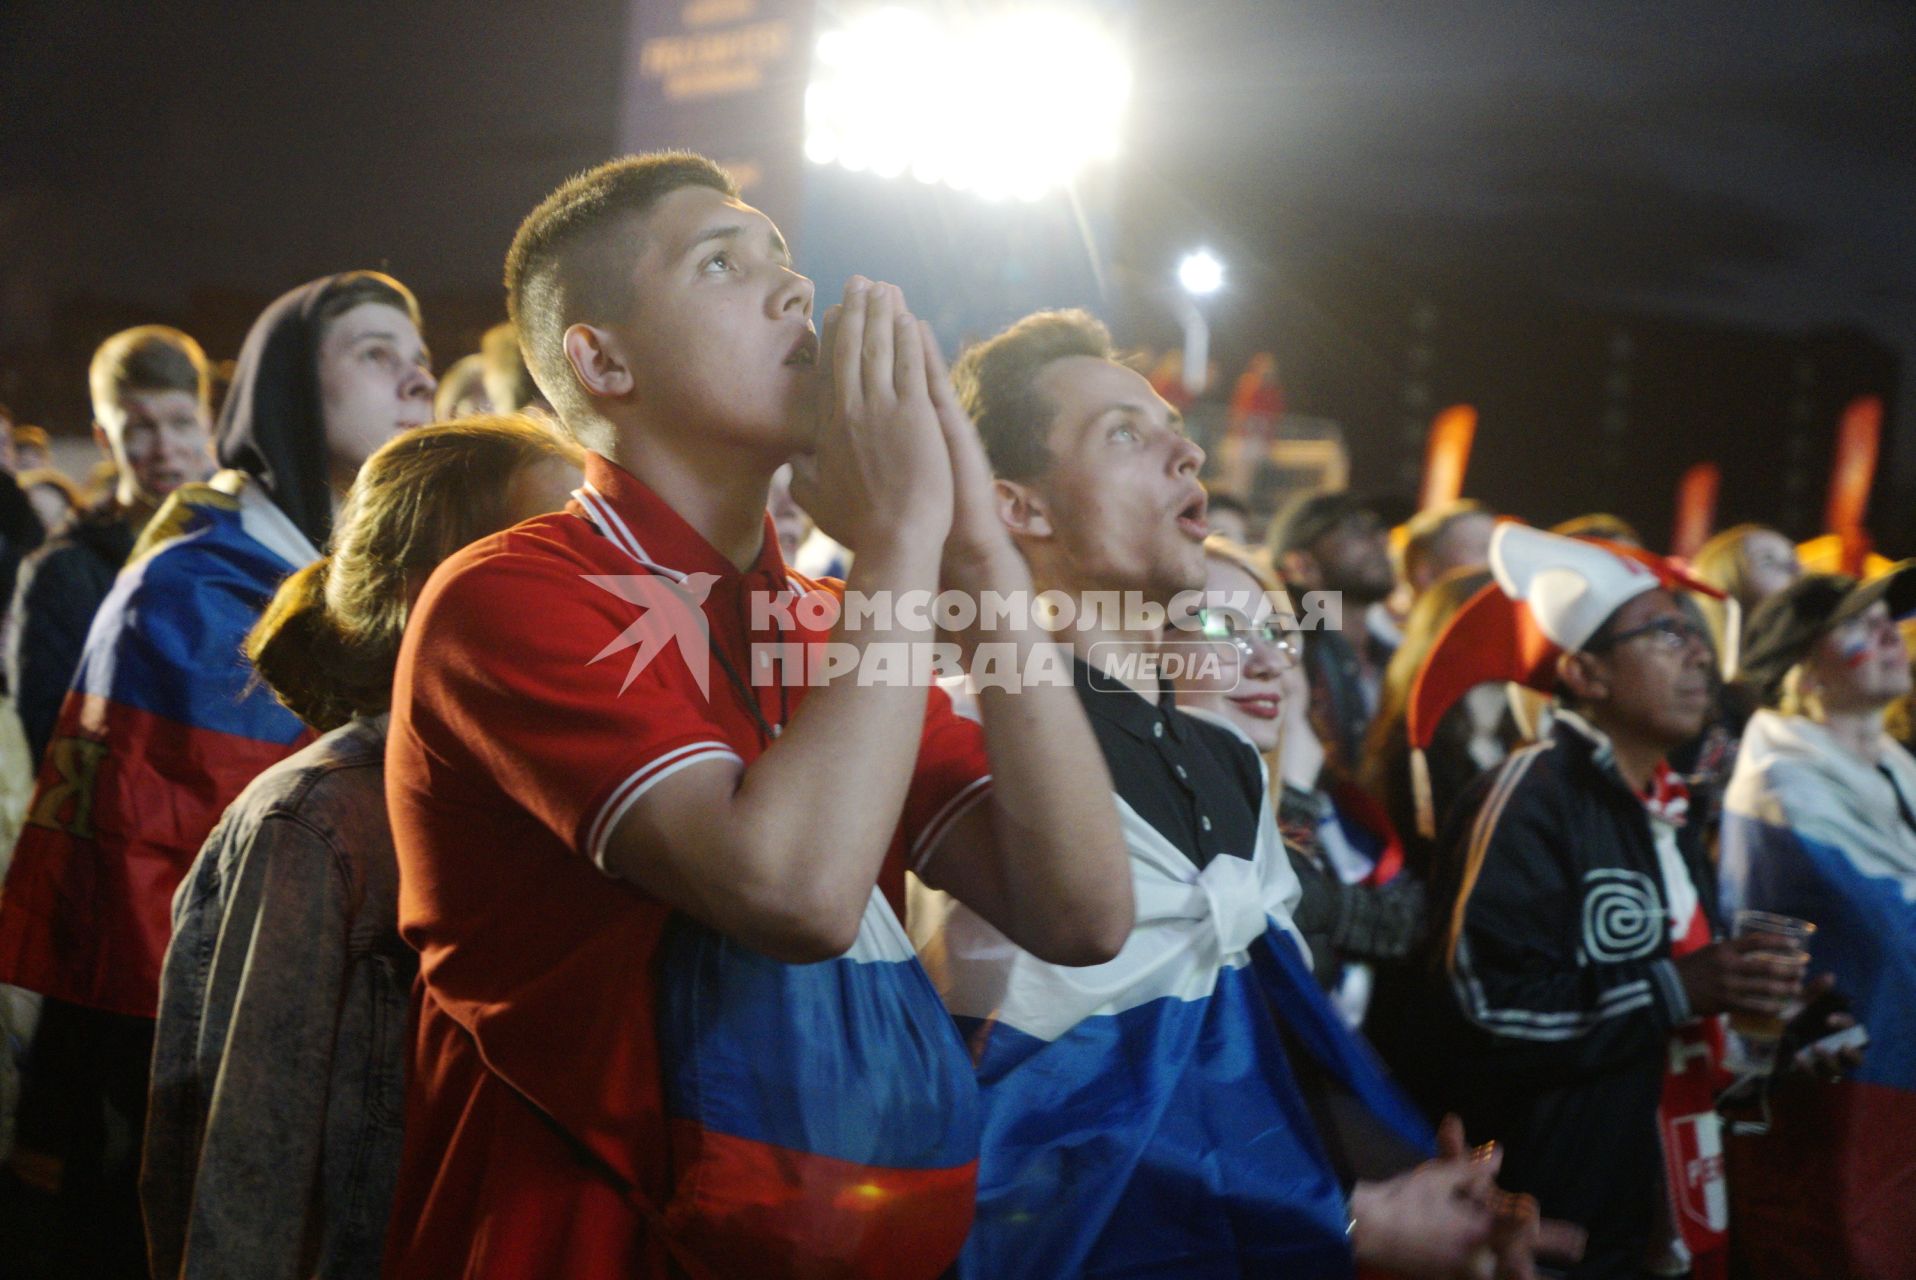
1753 1037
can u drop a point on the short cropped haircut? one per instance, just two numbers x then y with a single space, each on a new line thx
997 381
150 357
559 272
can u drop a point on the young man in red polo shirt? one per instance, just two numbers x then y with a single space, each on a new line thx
667 1016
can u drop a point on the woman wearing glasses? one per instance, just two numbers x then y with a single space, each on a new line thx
1357 908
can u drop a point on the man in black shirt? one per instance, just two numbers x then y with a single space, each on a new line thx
1189 778
1145 1117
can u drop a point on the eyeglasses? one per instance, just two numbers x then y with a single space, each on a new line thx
1672 635
1217 624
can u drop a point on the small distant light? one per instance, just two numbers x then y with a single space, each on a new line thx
1200 273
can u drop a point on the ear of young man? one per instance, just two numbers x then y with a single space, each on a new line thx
597 362
1582 675
1021 509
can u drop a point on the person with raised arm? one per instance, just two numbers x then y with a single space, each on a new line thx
668 1020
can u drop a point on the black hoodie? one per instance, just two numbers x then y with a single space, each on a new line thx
270 426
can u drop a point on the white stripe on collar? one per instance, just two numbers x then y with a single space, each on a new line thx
600 513
602 517
625 530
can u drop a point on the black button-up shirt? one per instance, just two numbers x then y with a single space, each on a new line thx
1197 783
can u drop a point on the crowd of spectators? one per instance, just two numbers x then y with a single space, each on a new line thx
423 860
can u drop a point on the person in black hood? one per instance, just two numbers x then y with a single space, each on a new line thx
330 372
164 725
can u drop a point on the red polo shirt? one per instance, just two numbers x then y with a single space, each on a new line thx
521 733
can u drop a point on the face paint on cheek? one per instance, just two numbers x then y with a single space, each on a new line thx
1854 652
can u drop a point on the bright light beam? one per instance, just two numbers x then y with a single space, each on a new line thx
1010 104
1200 273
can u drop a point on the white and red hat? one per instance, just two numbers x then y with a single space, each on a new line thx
1569 585
1551 595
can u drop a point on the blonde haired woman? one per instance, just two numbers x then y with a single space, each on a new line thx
273 1134
1749 563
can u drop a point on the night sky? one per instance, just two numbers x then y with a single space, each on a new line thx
1749 162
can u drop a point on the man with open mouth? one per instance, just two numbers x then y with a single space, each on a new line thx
668 1021
1144 1117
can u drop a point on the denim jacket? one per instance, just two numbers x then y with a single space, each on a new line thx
273 1127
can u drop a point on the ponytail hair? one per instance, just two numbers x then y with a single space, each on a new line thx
329 639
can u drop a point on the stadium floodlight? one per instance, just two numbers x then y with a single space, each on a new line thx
1008 104
1201 273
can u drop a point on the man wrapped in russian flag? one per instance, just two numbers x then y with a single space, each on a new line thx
1194 1107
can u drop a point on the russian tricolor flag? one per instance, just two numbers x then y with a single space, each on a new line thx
824 1118
164 726
1814 832
1142 1117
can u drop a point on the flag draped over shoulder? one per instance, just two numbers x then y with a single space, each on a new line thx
1812 831
824 1121
1141 1116
163 727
